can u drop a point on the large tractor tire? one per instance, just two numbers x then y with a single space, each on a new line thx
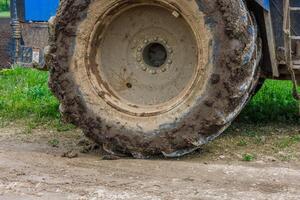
150 77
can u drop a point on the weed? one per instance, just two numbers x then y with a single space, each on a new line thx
283 143
62 127
248 157
242 143
250 133
260 139
296 138
288 141
29 127
53 142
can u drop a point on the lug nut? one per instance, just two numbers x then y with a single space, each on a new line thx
144 68
175 14
153 71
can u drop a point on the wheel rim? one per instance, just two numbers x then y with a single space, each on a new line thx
150 66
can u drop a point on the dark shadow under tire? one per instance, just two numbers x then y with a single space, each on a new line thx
215 71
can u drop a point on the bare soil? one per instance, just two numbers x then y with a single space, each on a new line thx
5 39
32 167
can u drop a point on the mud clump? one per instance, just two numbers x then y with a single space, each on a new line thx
70 154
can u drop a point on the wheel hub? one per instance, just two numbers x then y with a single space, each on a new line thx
147 58
154 55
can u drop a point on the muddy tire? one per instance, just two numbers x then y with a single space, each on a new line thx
152 77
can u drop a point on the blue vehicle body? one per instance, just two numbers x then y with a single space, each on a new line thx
40 10
264 3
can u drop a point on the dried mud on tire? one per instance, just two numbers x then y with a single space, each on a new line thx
229 83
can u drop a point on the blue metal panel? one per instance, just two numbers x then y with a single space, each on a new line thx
264 3
40 10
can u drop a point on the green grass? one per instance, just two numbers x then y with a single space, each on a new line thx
288 141
273 103
242 142
4 5
4 14
248 157
25 96
4 8
54 142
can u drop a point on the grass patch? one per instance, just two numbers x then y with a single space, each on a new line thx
273 103
288 141
25 96
248 157
4 5
4 14
271 143
54 142
242 143
4 8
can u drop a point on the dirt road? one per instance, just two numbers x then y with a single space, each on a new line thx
31 168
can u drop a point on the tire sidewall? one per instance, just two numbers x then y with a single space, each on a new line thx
210 108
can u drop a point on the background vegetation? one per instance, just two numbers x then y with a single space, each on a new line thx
25 96
4 5
4 8
273 103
